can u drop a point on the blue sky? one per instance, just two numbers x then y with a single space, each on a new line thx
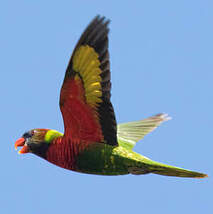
161 61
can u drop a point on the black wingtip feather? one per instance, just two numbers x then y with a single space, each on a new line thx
95 34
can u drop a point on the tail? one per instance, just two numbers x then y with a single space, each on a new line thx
150 166
130 133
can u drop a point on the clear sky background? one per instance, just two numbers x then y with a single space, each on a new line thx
161 61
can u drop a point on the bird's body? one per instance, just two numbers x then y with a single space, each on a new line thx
102 159
95 157
92 141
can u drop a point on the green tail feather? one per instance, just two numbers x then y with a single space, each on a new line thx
164 169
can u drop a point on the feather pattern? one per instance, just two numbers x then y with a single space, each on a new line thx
85 94
131 132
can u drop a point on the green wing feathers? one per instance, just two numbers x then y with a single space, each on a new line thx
130 133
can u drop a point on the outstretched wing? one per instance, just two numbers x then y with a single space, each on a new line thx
130 133
85 94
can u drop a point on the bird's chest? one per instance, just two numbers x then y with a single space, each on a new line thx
64 154
91 158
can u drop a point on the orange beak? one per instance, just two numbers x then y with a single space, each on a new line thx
21 142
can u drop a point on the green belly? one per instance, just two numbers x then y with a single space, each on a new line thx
103 159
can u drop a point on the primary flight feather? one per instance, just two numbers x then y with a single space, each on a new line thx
92 141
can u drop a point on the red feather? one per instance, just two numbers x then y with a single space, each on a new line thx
79 117
63 152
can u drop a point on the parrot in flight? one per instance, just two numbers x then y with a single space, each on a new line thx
92 141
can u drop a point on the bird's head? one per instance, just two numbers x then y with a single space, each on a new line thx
36 141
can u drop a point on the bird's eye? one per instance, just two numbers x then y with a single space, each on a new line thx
28 134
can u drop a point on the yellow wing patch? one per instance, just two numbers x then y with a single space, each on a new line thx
86 63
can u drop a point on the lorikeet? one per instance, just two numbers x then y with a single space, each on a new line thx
92 142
